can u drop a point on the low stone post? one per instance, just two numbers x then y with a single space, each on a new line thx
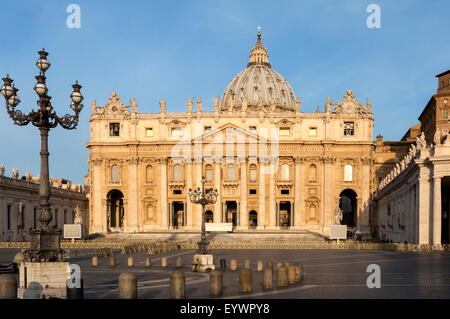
267 278
259 266
33 291
279 265
298 273
8 286
216 283
112 261
130 261
127 286
179 262
269 264
245 281
233 265
148 262
164 262
177 285
286 265
223 264
18 260
247 264
95 261
282 277
291 275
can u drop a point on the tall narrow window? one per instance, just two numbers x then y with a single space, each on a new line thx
348 173
56 217
177 173
312 173
177 131
114 129
65 217
149 132
35 217
349 128
115 173
209 173
9 217
253 172
231 172
284 172
149 174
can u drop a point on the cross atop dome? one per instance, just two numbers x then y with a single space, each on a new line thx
258 55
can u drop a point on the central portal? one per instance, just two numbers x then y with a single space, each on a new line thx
231 212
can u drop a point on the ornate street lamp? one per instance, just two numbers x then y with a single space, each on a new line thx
203 258
45 242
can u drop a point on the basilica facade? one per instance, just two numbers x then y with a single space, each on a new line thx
275 167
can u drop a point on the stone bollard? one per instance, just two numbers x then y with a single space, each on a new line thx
291 275
75 293
282 277
179 262
223 264
8 286
269 264
298 273
112 261
247 264
177 285
233 265
18 260
286 265
33 291
245 281
127 286
279 265
130 261
148 262
95 261
267 278
216 283
164 262
259 266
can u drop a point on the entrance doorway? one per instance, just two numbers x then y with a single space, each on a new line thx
231 212
209 216
349 206
285 215
115 210
252 219
177 214
445 211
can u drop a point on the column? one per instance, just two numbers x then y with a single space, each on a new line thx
218 218
163 194
297 189
262 195
189 209
98 207
437 213
424 206
327 194
243 212
131 214
272 191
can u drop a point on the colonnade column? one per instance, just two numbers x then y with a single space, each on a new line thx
163 193
189 213
298 192
262 195
243 199
98 205
424 205
272 171
218 205
437 211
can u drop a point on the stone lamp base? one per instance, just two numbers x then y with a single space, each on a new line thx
203 263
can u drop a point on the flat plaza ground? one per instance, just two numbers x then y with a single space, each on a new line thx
333 274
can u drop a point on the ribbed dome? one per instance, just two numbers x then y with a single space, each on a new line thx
258 85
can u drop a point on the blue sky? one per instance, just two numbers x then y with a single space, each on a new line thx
178 49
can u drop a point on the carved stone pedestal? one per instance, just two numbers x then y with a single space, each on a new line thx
203 263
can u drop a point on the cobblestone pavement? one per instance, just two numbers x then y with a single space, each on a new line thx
327 274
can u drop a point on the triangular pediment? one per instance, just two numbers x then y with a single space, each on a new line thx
230 130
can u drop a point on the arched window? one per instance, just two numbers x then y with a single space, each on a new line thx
115 173
312 173
284 172
177 172
253 173
348 173
149 176
209 175
231 172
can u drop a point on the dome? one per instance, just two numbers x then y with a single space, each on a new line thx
258 85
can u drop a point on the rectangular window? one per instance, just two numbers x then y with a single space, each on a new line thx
445 114
9 217
252 192
114 129
284 131
349 128
207 129
177 131
285 192
149 132
177 192
252 129
313 131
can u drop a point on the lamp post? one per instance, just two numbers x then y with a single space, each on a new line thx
199 196
45 242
